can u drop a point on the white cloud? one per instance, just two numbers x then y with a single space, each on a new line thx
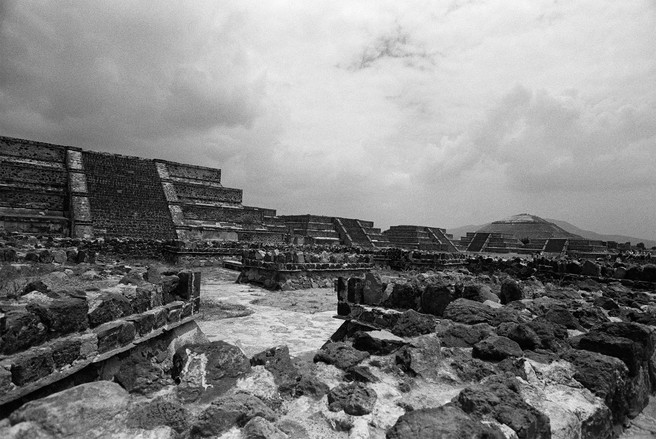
459 112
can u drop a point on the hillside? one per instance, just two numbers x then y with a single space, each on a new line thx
600 237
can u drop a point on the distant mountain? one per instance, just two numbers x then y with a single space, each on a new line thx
587 234
457 232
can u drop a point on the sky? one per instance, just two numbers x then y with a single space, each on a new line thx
434 113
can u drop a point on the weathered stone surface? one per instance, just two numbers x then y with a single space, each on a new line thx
562 316
138 374
75 412
573 411
114 335
59 256
510 291
589 268
159 412
31 366
106 307
499 398
304 384
227 411
412 323
372 290
62 315
377 342
22 330
139 298
496 348
355 399
169 287
361 374
143 323
479 293
5 378
470 312
606 377
588 316
630 342
36 285
132 278
404 296
435 299
66 350
277 361
521 333
421 357
552 335
448 422
206 370
355 290
188 285
260 428
468 369
340 355
454 334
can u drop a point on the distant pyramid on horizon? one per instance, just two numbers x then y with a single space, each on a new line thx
527 226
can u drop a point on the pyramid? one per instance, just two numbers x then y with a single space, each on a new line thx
526 226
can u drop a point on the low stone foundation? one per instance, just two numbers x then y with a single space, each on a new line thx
46 336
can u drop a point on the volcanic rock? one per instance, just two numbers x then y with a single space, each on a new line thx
355 399
208 369
227 411
447 421
496 348
340 354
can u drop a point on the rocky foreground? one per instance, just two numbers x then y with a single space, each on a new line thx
453 354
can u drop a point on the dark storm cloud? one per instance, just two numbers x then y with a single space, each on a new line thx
142 70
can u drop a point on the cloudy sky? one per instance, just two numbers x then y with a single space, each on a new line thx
438 113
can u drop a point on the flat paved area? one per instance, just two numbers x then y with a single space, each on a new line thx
302 331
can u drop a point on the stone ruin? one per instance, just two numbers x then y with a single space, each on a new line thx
519 354
444 342
65 191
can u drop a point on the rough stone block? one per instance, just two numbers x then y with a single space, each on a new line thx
31 366
186 310
63 315
113 335
143 323
5 378
139 299
22 330
174 315
160 316
88 345
156 297
185 286
107 307
65 351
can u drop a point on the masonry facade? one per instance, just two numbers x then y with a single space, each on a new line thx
59 190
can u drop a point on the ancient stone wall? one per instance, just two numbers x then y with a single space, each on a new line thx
33 187
200 193
126 197
46 336
65 191
222 214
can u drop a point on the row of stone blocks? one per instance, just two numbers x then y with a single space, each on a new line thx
305 267
299 257
47 336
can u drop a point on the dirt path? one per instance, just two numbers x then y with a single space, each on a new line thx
302 320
